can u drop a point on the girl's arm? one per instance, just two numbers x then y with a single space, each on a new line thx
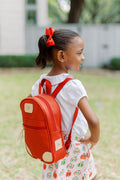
93 122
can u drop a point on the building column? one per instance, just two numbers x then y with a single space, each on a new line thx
12 27
42 12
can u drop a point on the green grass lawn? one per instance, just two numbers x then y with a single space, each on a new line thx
104 96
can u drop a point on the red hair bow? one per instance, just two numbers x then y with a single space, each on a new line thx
50 41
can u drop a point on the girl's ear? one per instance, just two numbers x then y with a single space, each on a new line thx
61 56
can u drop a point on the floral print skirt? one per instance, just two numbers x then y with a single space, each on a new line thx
78 164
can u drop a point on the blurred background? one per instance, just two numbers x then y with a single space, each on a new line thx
22 22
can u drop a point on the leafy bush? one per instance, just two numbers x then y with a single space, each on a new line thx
17 61
115 63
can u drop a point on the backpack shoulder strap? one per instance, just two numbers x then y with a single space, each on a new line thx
68 142
60 86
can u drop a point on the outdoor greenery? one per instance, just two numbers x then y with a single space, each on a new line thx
104 94
95 11
115 63
17 61
55 12
104 11
112 64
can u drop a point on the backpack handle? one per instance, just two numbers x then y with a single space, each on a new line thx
49 86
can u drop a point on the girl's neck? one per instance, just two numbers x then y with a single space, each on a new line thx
56 70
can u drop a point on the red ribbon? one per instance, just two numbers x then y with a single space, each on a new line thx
50 41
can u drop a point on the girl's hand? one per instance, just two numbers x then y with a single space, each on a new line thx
89 140
93 122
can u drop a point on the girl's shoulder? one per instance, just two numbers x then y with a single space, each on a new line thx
73 85
72 92
59 78
56 79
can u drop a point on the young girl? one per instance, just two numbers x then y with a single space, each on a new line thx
65 49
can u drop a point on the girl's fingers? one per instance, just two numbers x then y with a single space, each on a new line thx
85 140
92 145
88 141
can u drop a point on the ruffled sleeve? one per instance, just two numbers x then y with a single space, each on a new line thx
35 88
73 91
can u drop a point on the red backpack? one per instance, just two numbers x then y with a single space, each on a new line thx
42 124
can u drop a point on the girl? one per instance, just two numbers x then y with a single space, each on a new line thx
65 49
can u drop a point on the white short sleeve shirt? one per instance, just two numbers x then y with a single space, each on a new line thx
67 99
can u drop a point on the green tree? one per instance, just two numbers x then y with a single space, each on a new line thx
85 11
75 11
104 11
56 14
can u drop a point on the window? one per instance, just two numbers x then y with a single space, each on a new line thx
31 12
31 2
31 17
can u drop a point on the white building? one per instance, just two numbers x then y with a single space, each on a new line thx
102 42
15 15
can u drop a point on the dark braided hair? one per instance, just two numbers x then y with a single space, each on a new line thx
62 39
